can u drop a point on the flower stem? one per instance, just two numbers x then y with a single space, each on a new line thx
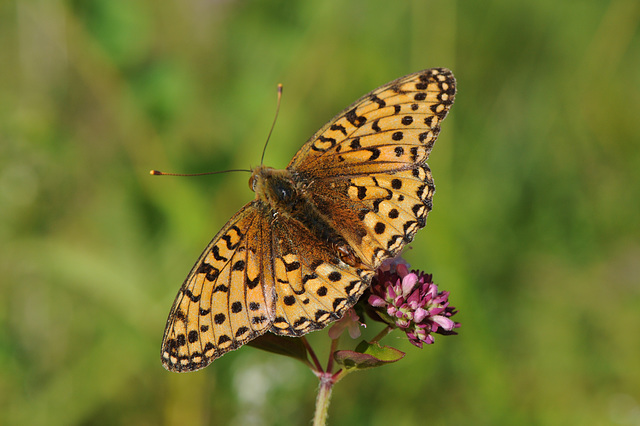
338 375
314 358
334 345
323 399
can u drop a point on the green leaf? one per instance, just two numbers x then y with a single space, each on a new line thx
367 355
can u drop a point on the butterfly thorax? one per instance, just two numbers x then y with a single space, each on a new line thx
284 194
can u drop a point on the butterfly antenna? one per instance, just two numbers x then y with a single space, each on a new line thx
274 122
158 173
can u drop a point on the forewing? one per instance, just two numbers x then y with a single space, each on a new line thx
366 169
394 127
228 297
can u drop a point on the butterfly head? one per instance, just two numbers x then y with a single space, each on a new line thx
274 187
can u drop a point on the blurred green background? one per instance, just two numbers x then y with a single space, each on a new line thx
535 228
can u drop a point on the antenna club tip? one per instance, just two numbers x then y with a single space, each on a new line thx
155 172
280 87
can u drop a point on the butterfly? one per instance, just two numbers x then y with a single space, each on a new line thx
304 250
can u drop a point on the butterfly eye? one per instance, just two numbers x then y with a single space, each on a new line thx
281 190
284 192
252 183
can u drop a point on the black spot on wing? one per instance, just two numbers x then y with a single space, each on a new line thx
308 277
375 153
381 103
293 266
339 128
429 120
227 239
236 307
355 119
251 284
210 271
215 251
335 276
331 141
242 330
191 296
258 320
362 192
181 340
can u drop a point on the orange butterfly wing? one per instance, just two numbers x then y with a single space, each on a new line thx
226 299
367 166
365 173
256 275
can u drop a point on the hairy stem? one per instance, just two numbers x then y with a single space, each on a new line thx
323 399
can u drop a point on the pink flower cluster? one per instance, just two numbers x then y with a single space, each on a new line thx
412 302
